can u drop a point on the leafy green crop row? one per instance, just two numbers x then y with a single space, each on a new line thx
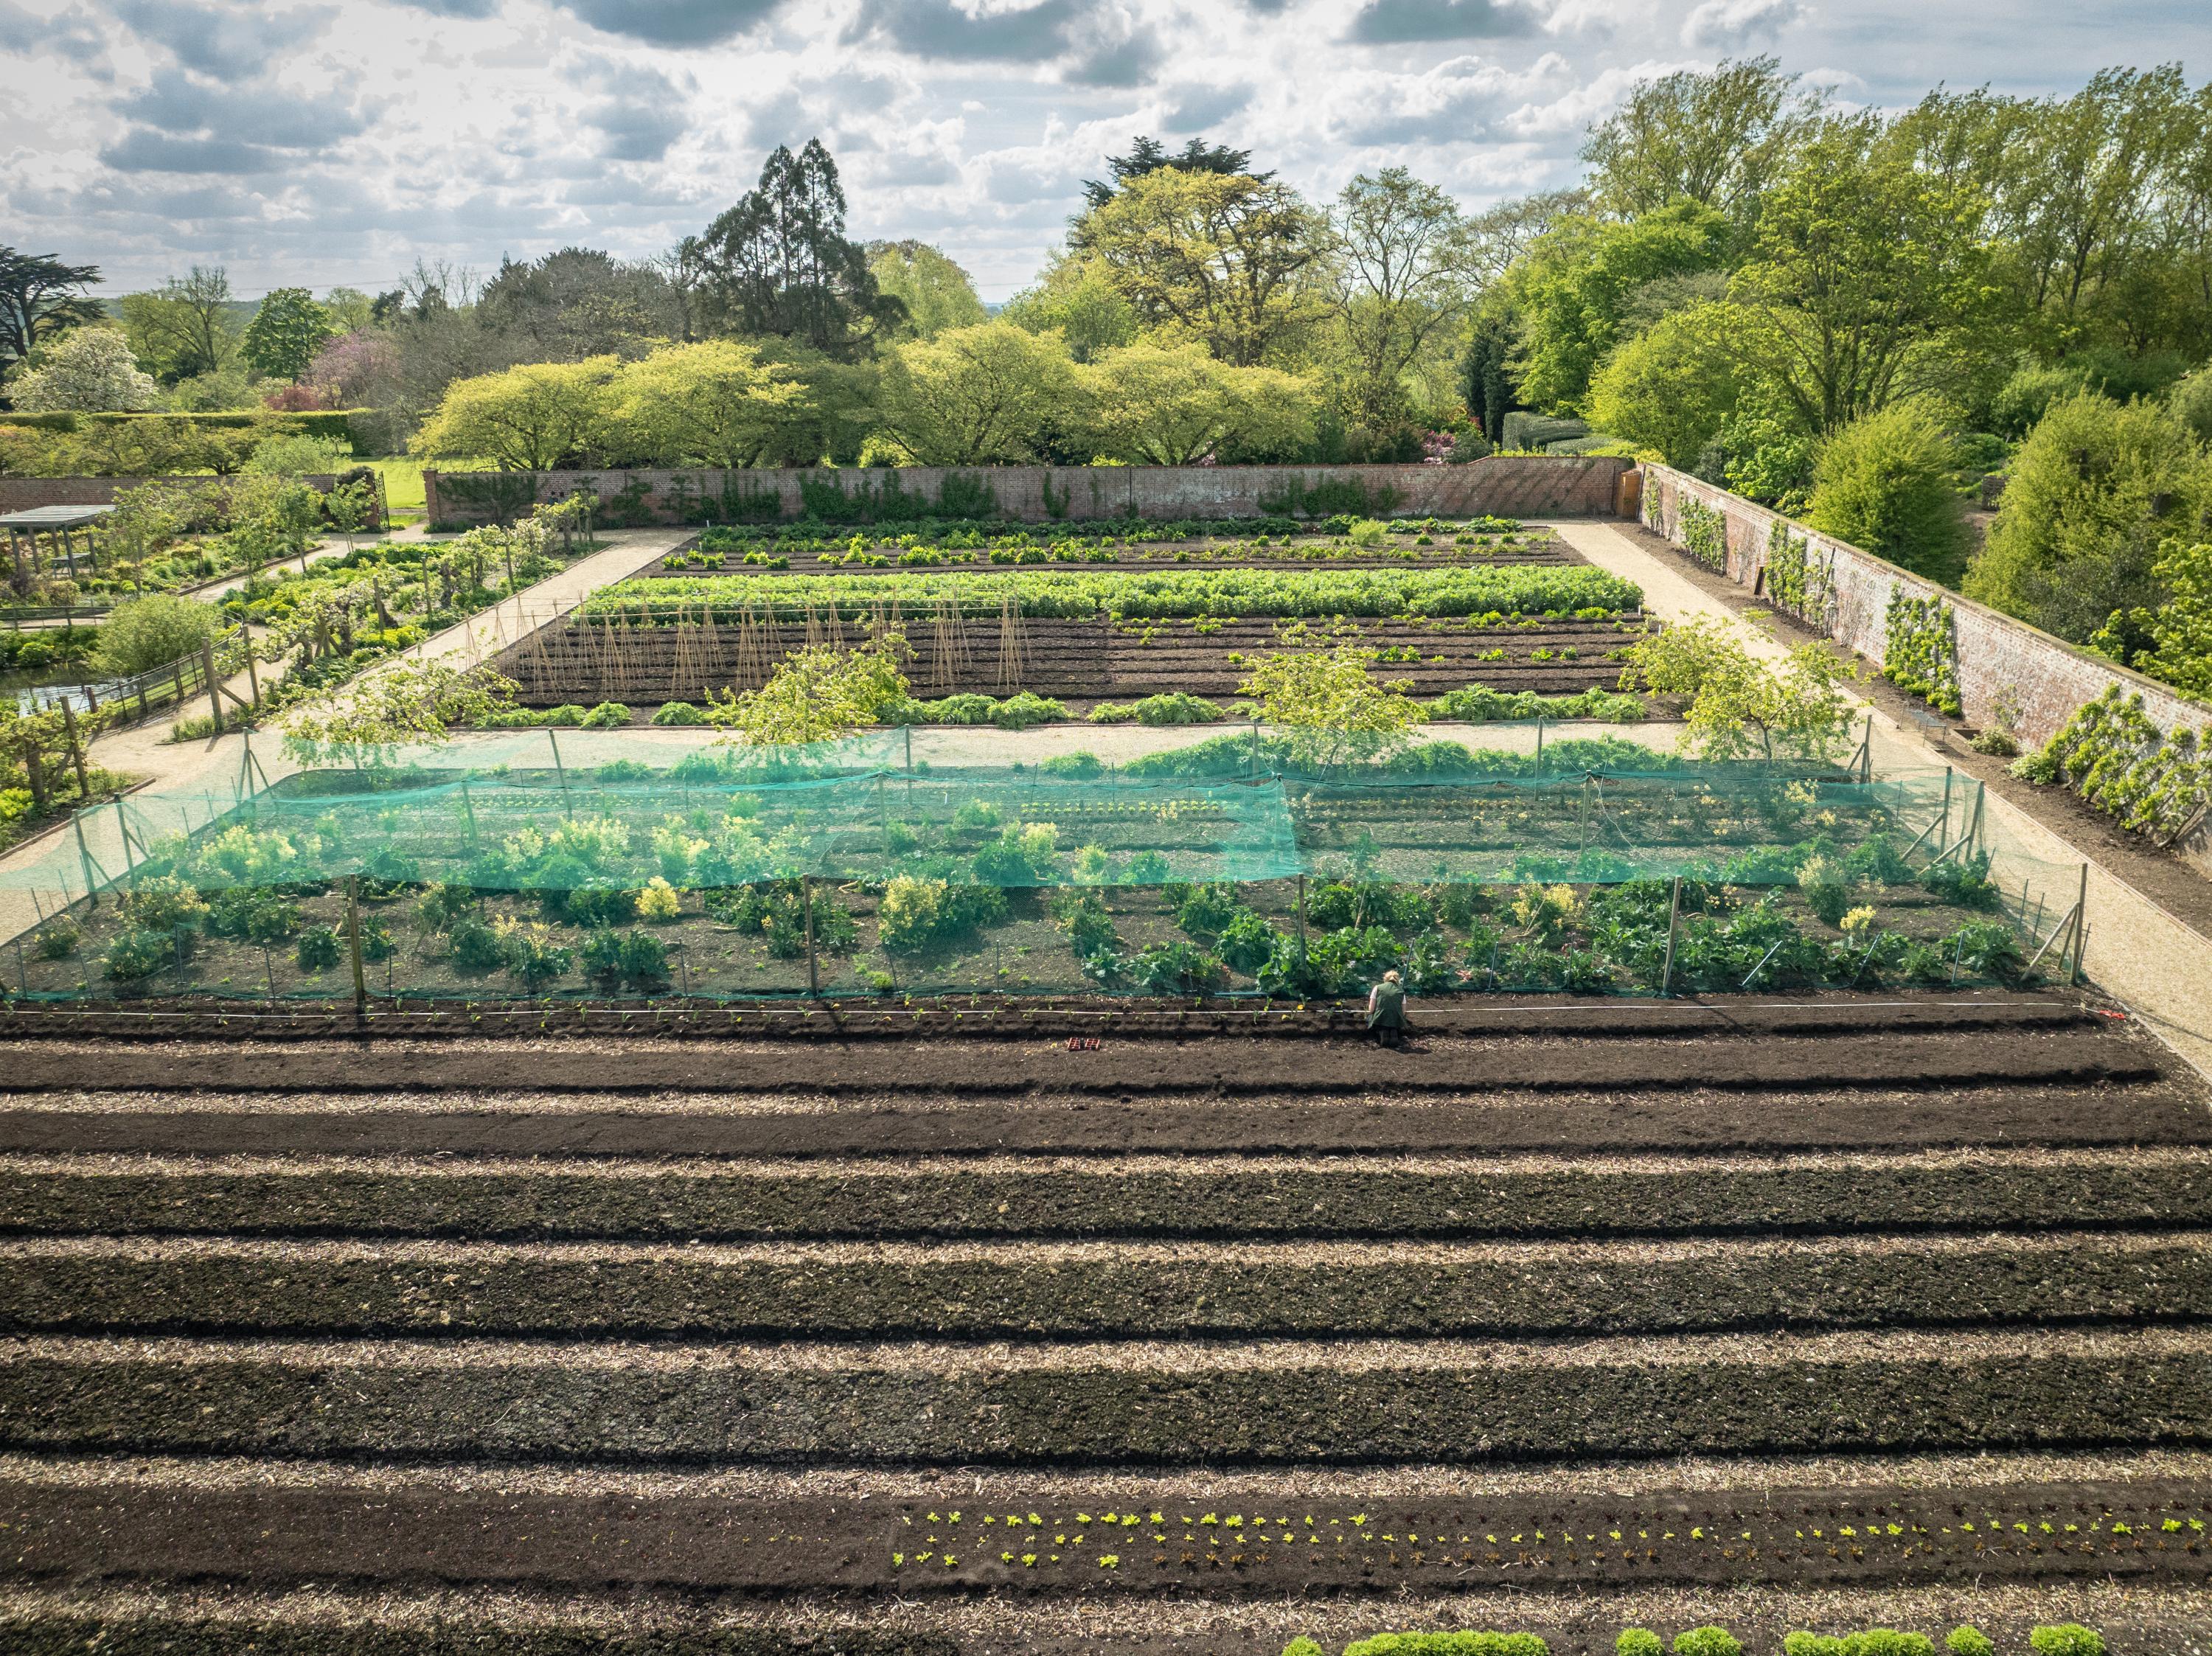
1512 590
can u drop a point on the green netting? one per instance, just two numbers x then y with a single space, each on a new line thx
488 870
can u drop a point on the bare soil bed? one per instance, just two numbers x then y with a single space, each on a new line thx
384 1311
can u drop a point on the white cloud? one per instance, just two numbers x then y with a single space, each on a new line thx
1724 23
328 141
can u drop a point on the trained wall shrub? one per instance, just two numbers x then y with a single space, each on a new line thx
1920 650
1704 534
2119 761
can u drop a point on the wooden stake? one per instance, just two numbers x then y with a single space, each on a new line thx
1674 919
814 971
214 685
76 749
353 936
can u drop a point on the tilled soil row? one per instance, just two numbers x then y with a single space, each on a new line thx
1092 1293
1151 1405
979 1018
1228 1198
1227 1065
1860 1537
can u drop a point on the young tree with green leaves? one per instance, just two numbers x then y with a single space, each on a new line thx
409 700
530 418
142 634
287 331
1171 405
1738 705
715 404
1333 712
2180 628
818 694
986 395
1076 298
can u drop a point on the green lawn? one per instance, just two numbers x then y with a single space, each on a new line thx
402 479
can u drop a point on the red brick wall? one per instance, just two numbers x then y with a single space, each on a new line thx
1509 486
2048 676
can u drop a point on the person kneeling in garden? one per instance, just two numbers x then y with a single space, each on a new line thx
1386 1012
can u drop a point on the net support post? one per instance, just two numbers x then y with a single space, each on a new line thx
814 968
1673 922
2081 925
84 855
213 684
353 940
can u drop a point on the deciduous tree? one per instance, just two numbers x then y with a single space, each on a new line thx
1399 286
979 396
1231 260
1171 405
937 293
287 331
715 403
529 418
87 370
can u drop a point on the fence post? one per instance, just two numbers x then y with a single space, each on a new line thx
559 769
1255 746
2081 925
353 938
1539 741
469 810
76 749
214 691
252 672
1674 919
1302 920
84 854
1943 835
813 972
123 827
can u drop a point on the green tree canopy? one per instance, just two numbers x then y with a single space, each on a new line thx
1579 281
779 260
937 293
1231 260
1672 387
1883 482
87 370
40 300
1172 404
979 396
143 633
1714 136
1863 267
1076 297
287 331
716 403
531 418
1398 266
2095 491
183 329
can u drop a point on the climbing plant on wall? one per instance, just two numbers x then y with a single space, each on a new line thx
1920 654
2120 762
1800 577
1704 534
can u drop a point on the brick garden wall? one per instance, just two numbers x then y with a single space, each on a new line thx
21 493
2049 678
1510 486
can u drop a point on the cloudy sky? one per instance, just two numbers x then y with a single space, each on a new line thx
310 143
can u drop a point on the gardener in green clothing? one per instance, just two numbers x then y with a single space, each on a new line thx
1386 1012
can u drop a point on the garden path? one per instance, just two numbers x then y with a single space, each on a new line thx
2146 956
216 763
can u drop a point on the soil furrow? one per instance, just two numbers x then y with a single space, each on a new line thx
1243 1547
1019 1294
925 1406
827 1202
1229 1066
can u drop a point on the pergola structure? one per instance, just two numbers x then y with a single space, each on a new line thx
62 526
